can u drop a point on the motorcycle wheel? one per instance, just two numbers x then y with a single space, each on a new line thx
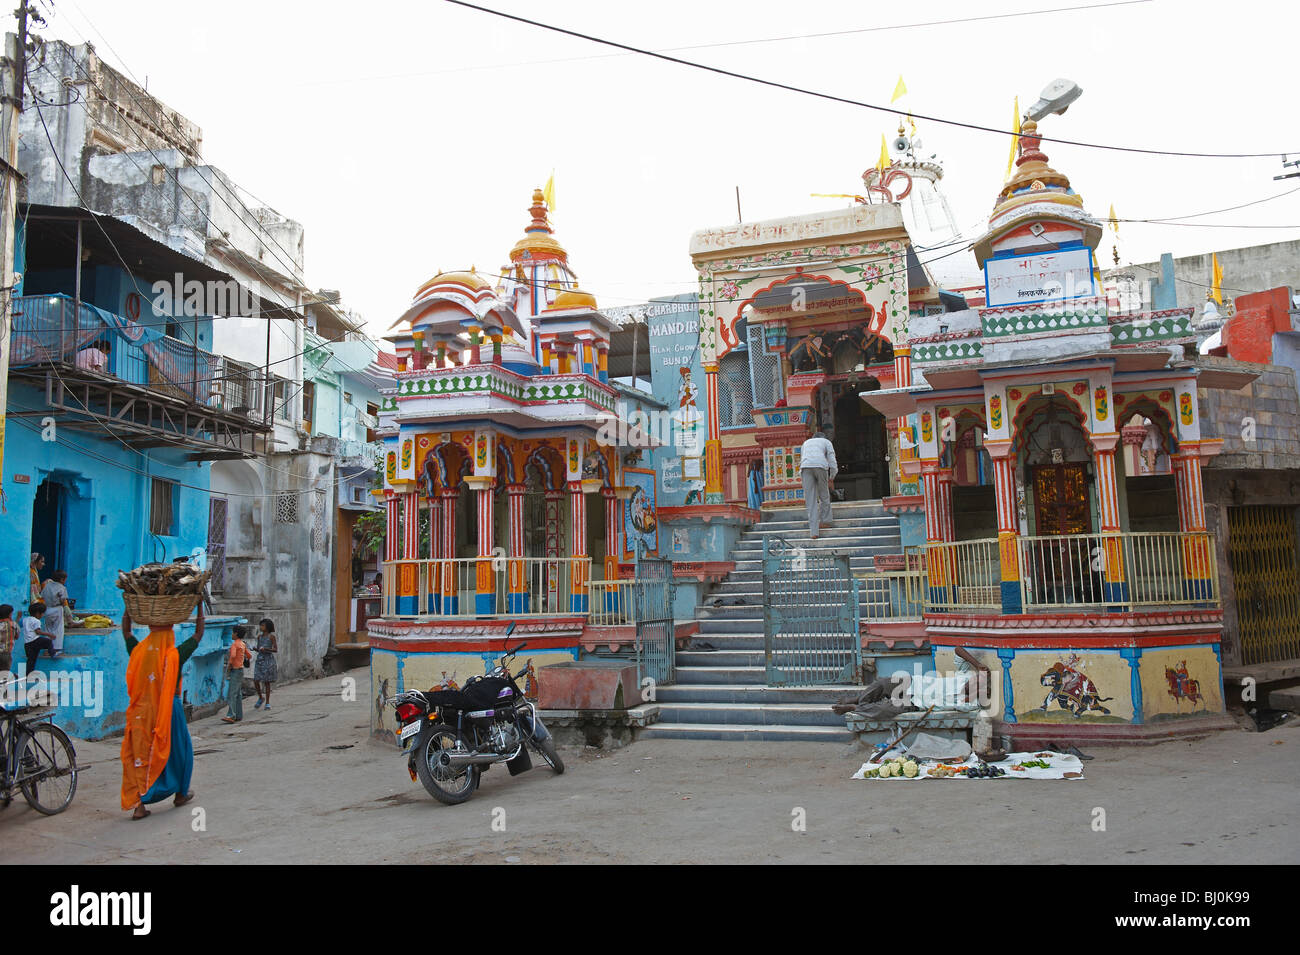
549 753
445 785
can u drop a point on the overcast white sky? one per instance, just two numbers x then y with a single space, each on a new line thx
407 137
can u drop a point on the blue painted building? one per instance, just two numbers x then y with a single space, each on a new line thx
114 418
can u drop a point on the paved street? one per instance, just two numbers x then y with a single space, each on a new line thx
305 784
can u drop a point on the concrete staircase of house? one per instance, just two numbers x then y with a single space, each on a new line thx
722 694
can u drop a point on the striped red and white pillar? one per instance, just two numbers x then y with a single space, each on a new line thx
1114 582
611 546
577 547
485 576
517 594
392 529
1198 569
713 445
449 589
408 577
1004 492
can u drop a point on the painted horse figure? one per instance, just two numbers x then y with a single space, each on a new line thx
1072 690
1182 686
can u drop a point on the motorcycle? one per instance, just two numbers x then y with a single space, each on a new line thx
453 736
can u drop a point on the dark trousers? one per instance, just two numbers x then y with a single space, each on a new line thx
33 649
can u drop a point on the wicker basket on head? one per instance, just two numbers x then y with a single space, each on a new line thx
165 611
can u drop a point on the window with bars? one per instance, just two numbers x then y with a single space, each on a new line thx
735 398
764 370
162 508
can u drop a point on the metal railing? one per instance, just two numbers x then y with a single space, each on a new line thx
1118 570
612 603
486 587
963 575
893 596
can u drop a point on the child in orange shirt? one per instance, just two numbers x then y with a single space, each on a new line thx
235 664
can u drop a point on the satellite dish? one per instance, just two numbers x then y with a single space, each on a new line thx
1055 98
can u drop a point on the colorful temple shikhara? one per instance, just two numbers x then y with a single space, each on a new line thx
500 502
1034 423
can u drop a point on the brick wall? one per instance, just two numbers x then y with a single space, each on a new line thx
1269 408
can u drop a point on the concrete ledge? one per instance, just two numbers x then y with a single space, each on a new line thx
603 729
1262 672
1027 736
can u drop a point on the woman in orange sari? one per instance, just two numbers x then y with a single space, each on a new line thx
157 755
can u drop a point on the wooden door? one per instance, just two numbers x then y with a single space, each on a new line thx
1061 500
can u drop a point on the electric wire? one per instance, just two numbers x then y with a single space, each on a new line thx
830 97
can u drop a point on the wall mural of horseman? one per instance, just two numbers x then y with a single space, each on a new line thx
1182 686
1071 689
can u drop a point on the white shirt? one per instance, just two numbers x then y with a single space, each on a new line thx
819 453
30 626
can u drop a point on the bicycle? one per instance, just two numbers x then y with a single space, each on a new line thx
37 759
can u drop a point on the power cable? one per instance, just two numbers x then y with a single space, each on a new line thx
788 87
729 43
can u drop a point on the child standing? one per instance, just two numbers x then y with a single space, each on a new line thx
235 664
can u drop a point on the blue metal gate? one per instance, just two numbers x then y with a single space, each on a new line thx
652 591
810 617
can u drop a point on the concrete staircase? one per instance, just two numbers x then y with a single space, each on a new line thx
721 694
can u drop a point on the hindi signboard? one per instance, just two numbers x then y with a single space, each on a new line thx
1042 277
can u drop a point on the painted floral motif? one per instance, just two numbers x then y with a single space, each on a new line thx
995 412
927 428
1014 394
1166 397
391 466
1099 400
408 449
480 456
871 274
1080 387
729 290
1185 407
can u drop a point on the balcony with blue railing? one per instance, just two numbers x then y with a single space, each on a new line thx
57 335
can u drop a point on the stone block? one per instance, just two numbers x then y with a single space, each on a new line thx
588 685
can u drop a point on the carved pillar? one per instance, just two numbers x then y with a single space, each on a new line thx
408 578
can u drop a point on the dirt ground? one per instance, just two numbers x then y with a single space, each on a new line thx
305 784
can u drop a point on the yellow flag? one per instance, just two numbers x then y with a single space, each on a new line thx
1015 140
899 90
1114 222
884 154
549 192
1216 283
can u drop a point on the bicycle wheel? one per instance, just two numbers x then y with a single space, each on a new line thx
47 768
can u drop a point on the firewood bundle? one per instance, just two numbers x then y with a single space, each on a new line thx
162 594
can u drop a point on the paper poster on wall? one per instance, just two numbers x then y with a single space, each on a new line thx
640 518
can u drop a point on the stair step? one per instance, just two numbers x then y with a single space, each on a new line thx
748 657
754 714
746 693
740 732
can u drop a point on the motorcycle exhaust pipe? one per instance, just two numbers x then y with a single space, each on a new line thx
461 760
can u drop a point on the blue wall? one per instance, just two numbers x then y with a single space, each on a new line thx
107 519
97 660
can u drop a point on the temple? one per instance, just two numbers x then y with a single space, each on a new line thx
502 506
1043 429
